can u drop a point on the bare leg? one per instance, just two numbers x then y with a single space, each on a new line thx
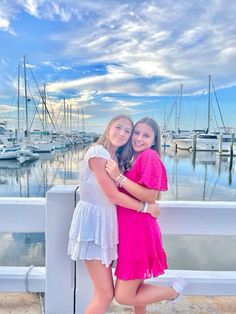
101 277
140 309
137 293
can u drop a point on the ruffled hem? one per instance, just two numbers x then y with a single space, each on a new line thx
96 224
88 250
137 270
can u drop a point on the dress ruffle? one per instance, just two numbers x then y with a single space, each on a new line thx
93 233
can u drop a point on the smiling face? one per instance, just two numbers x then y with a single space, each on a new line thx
119 132
143 137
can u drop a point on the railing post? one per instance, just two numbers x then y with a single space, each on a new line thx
83 291
59 295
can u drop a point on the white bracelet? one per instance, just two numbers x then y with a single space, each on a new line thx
145 207
122 181
118 177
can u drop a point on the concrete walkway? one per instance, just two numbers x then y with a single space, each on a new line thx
21 303
186 305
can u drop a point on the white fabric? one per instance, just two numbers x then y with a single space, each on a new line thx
93 233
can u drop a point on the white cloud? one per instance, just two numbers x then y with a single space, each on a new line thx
7 108
56 67
7 12
113 81
30 6
185 43
174 42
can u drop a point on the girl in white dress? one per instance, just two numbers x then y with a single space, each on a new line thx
93 234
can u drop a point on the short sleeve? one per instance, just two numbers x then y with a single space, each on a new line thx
152 172
97 151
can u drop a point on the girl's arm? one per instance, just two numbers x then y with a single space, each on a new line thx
138 191
97 165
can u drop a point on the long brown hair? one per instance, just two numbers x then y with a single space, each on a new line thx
157 133
126 157
124 150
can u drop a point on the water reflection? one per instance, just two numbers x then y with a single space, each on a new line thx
202 176
200 252
33 180
22 249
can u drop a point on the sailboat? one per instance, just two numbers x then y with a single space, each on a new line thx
208 140
33 145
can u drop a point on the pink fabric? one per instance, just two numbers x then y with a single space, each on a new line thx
140 251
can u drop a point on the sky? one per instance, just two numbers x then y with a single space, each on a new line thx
100 58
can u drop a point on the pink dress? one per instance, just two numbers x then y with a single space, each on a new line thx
140 251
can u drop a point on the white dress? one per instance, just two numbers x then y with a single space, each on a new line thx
94 231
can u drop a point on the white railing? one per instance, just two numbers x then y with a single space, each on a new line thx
66 284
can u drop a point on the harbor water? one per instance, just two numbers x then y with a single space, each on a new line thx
203 176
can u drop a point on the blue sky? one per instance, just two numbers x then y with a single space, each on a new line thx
110 57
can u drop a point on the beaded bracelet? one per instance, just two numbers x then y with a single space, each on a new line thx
118 177
145 207
140 209
121 182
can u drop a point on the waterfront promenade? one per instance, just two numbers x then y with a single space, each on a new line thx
15 303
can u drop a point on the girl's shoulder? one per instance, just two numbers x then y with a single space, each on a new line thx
151 170
149 158
97 150
148 154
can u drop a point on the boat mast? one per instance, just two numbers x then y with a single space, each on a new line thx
64 112
46 112
18 102
71 122
83 122
26 101
179 109
209 105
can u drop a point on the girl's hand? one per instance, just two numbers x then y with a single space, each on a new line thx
153 210
112 169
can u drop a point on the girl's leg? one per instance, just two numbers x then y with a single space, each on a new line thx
101 277
140 309
137 293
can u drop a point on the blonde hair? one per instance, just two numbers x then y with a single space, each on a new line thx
104 141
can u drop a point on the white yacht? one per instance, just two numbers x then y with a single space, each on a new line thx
206 142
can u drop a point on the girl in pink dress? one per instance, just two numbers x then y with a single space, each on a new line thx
140 251
93 234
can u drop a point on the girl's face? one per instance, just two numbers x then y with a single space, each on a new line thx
119 132
143 137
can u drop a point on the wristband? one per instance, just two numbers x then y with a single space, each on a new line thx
141 206
121 182
145 207
118 177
